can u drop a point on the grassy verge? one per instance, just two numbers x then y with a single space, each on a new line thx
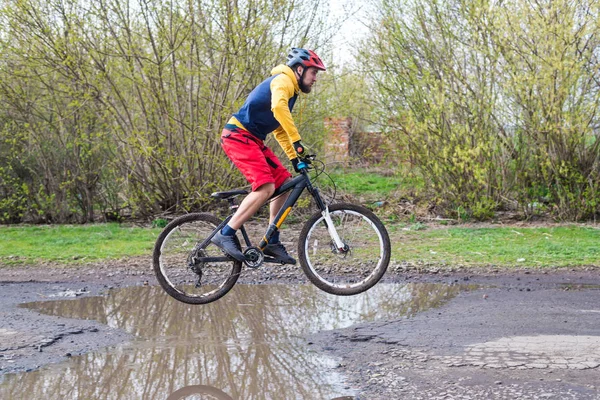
73 243
558 246
502 246
372 185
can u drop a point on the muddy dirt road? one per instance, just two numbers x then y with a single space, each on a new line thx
517 336
504 335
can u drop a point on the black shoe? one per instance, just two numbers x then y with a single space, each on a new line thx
228 245
278 252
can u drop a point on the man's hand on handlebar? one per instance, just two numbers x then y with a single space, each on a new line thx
303 159
306 160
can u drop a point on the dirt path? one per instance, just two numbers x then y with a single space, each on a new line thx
518 336
449 352
29 340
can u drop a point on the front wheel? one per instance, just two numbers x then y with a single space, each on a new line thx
362 261
189 271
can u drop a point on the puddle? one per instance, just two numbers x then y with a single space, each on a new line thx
248 345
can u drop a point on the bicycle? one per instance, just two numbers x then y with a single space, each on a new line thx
343 249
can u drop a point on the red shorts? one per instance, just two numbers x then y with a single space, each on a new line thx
256 161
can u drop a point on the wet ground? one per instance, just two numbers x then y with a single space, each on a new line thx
110 333
525 337
251 345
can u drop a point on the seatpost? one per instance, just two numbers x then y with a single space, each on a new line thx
232 205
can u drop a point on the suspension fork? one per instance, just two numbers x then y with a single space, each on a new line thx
339 244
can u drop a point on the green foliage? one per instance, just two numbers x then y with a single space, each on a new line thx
13 203
159 223
417 226
119 109
493 103
13 191
107 111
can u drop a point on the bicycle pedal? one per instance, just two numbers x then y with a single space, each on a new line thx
277 260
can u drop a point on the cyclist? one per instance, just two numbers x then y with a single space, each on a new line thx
267 109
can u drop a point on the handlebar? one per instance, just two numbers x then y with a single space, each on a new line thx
306 161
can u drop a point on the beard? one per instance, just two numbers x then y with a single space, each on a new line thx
304 87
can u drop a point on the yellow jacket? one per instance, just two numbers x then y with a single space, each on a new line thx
268 108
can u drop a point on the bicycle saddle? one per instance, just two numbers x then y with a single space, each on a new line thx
229 193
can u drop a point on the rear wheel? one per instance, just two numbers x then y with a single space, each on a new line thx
355 268
180 263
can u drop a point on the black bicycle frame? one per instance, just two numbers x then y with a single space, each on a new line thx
297 186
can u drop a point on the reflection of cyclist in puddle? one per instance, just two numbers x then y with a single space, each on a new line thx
207 392
267 109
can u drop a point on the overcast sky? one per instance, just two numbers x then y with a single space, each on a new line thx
351 30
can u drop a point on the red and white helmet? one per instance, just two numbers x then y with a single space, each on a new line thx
307 58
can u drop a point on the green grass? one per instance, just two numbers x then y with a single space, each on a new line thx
73 243
502 246
371 183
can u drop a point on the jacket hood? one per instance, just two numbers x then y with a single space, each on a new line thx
284 69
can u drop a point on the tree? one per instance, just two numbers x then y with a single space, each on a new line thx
121 103
494 101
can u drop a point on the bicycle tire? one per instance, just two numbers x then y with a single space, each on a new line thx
205 390
351 272
195 283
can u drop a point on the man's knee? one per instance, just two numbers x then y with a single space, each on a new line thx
266 190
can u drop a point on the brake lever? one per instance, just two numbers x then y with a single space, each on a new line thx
309 158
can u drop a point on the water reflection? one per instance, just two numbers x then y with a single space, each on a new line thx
199 392
248 344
